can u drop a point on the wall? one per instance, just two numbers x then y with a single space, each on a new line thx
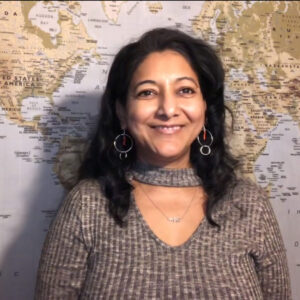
54 60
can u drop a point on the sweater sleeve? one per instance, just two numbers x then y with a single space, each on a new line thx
63 262
272 268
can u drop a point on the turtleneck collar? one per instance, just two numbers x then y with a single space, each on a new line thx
154 175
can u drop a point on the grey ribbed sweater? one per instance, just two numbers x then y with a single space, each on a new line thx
87 256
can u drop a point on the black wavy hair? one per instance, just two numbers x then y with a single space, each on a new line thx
102 161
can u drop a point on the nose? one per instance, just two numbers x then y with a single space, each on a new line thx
168 106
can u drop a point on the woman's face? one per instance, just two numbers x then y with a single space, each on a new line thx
165 109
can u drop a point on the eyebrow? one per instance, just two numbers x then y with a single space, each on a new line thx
176 80
143 82
187 78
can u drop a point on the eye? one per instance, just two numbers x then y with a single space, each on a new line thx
187 91
145 94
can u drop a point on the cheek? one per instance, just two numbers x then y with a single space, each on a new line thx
136 122
139 115
196 113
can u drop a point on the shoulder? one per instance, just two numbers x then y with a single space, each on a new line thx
247 190
245 199
87 187
86 193
256 201
247 193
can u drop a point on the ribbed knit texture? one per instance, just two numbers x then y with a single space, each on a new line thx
164 176
87 256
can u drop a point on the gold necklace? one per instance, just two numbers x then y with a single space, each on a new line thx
170 219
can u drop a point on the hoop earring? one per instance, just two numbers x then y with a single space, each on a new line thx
205 148
123 143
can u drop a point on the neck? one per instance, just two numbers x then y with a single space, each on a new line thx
156 175
178 163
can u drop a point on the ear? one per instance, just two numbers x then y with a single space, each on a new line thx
121 113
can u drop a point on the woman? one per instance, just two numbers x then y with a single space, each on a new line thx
159 213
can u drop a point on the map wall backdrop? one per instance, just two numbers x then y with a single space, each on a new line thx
54 59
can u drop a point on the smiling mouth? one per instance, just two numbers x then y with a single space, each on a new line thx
167 129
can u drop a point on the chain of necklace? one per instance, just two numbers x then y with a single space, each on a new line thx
170 219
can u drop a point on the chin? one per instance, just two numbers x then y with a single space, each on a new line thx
167 152
170 152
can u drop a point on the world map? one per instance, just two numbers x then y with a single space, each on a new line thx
54 60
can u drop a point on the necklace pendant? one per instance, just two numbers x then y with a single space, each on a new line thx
174 219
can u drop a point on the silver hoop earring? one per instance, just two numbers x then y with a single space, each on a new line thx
205 140
123 143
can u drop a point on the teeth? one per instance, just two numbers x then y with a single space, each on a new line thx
173 127
168 129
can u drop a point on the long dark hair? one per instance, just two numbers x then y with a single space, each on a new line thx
102 161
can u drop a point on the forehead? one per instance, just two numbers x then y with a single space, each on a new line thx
167 63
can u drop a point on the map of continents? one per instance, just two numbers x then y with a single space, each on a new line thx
54 59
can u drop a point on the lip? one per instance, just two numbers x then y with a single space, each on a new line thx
167 128
166 125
